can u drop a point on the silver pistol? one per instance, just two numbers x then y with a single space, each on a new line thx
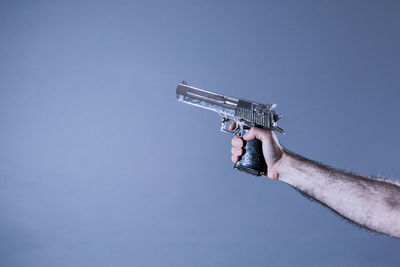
244 113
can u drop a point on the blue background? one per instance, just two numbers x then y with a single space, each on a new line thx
100 166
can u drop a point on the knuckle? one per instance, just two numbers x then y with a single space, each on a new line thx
237 141
234 140
236 151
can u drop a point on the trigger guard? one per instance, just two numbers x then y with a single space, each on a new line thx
235 131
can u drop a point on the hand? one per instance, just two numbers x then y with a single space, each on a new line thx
272 150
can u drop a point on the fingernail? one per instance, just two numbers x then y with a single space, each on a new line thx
246 135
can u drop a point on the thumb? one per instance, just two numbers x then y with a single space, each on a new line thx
256 133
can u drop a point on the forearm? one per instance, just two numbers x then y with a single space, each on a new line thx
370 203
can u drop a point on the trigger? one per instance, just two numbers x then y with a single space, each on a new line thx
225 127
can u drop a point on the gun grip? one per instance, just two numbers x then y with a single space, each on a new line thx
252 161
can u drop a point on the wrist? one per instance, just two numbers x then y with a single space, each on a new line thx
282 169
275 169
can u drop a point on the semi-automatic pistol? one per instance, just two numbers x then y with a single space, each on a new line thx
244 113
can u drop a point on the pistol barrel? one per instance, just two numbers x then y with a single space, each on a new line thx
224 105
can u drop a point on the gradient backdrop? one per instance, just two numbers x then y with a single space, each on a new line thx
101 166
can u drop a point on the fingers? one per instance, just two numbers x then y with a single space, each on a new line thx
237 141
235 158
237 151
237 148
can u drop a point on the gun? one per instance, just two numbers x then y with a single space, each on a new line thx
245 113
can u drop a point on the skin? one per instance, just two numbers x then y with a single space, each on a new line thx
371 203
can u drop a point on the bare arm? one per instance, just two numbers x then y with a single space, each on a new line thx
371 203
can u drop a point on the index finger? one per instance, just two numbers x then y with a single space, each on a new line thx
232 126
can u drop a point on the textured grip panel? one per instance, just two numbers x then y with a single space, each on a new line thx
252 161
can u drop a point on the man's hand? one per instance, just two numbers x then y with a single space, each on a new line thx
373 204
272 150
